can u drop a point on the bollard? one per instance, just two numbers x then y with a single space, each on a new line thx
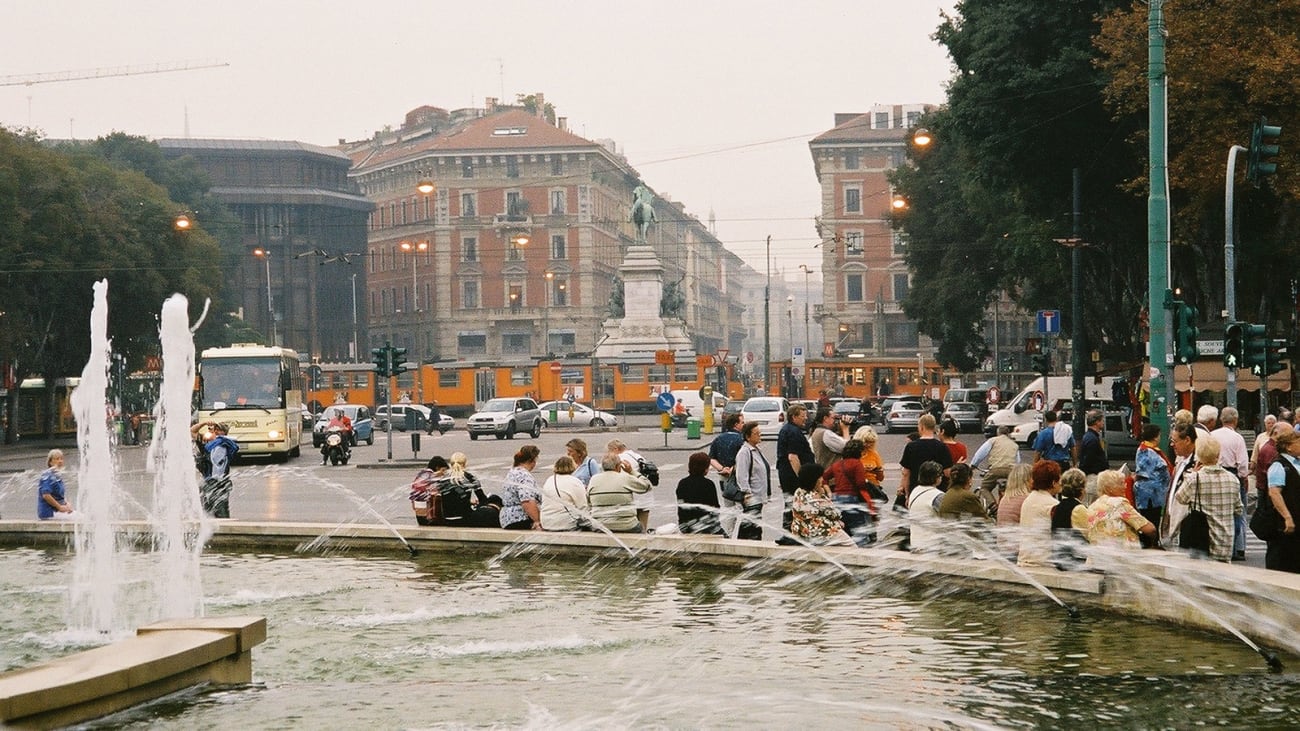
415 443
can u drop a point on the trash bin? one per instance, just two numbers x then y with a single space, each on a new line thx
692 428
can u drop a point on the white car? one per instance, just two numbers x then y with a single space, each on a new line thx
768 411
575 414
398 421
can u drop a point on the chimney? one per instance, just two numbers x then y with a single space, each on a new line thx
541 105
563 123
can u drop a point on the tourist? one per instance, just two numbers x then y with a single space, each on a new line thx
642 501
828 437
925 448
1092 451
793 451
426 492
1215 492
587 465
51 495
923 503
1069 521
872 462
697 497
948 435
1000 452
463 501
848 482
611 493
520 498
961 504
1051 445
722 457
216 488
1151 481
1112 521
1182 438
1263 436
564 499
1036 514
1008 522
1284 497
1234 458
816 520
754 478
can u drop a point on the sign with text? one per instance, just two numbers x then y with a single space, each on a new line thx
665 357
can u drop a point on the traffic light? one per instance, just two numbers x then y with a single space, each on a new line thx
313 377
1042 363
1256 349
1263 150
1234 345
379 356
1185 332
398 365
1275 354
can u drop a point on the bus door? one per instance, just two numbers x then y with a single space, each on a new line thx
485 386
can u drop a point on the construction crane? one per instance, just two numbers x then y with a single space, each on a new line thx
106 72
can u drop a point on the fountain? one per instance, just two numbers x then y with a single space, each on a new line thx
487 628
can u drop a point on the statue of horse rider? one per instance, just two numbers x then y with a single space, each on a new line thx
643 212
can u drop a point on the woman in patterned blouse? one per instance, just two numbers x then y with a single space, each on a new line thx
815 518
522 510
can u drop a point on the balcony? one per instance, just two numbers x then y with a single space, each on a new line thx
512 220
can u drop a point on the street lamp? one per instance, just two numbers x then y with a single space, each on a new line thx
789 327
921 137
413 248
265 256
806 297
546 313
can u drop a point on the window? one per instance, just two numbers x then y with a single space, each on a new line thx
633 373
557 164
560 292
471 344
514 252
557 203
514 204
469 294
514 296
469 248
852 199
853 287
853 243
901 335
913 118
900 287
515 344
851 160
469 204
881 120
467 167
512 167
448 379
559 246
562 342
899 242
521 376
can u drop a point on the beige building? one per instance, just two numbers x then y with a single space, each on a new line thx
514 251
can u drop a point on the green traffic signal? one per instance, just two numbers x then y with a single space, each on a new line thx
1185 333
1256 348
1263 148
1234 345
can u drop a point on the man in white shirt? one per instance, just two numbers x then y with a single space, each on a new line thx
1233 458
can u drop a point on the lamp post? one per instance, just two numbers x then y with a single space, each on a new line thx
265 256
789 327
546 313
413 248
356 351
807 339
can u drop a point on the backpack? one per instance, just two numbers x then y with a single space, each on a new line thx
648 469
426 498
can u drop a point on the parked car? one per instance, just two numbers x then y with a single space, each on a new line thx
308 418
967 416
505 417
768 411
903 415
445 423
362 423
575 414
400 418
889 402
734 406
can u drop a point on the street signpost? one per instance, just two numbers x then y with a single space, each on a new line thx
665 402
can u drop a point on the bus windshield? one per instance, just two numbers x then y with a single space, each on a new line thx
234 383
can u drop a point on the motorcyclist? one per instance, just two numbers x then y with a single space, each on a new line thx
340 420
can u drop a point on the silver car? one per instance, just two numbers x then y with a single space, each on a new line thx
965 415
768 411
903 415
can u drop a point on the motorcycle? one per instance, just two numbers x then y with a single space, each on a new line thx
335 450
679 418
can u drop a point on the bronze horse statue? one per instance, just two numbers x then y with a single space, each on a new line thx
643 211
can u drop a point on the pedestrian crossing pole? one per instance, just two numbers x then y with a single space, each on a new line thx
1158 353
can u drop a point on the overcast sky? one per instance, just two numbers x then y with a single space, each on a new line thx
713 101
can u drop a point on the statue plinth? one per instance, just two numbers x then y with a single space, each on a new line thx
642 330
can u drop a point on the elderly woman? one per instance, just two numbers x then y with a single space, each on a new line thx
521 499
1013 497
1036 514
1112 519
1070 521
1150 479
587 465
642 500
1284 498
1215 492
564 499
611 494
754 477
815 519
697 498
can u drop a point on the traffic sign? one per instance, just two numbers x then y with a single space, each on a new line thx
994 395
665 357
665 401
1049 321
749 356
556 367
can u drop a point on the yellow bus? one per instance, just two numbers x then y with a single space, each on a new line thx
256 390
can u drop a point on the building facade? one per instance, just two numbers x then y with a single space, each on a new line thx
297 268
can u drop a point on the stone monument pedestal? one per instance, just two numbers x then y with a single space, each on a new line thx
642 330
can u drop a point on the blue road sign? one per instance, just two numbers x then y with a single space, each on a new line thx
665 401
1049 321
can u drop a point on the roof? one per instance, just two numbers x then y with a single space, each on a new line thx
858 129
244 147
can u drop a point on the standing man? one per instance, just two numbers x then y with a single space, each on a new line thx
1233 458
1093 459
927 448
722 457
828 437
216 488
434 415
1049 447
1182 437
792 452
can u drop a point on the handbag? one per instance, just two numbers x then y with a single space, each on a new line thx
731 490
1265 523
1194 531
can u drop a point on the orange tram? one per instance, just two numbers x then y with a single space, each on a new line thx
460 387
861 378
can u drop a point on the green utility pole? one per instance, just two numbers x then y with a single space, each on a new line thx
1158 222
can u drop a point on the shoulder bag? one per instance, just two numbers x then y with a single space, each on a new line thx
1194 531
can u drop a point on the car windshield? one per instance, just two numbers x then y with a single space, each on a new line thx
846 408
762 405
506 405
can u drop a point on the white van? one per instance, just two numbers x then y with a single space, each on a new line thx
1027 406
692 401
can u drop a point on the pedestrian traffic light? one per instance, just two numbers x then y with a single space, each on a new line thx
1185 333
380 358
398 364
1041 363
1275 354
1234 345
1263 150
1256 348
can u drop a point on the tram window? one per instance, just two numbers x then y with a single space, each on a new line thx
572 376
338 380
448 379
685 372
658 374
907 377
360 380
634 374
521 376
858 376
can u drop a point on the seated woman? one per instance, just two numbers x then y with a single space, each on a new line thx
1036 514
426 492
815 519
564 499
1112 520
610 495
697 498
520 509
1070 522
463 501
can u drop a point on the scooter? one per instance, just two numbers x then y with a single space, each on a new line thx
335 449
679 419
